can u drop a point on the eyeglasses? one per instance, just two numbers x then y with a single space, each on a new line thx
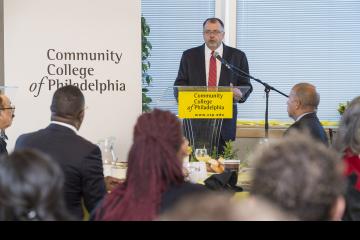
215 32
12 107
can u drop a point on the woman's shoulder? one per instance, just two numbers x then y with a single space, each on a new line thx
187 188
178 192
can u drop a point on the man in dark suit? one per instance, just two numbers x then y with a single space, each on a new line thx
198 67
302 106
80 159
6 117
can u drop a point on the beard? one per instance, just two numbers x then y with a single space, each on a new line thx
212 44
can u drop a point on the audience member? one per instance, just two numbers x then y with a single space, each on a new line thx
202 207
348 144
80 159
155 179
222 207
302 106
31 188
6 117
258 209
301 176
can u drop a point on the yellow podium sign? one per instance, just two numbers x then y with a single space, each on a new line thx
194 104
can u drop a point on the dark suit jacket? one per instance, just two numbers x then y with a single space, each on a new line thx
192 72
3 146
310 122
79 159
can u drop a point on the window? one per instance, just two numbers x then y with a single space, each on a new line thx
291 41
174 27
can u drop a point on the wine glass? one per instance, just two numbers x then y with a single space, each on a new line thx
108 154
201 154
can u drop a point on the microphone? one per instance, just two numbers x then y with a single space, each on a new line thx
223 61
226 64
231 67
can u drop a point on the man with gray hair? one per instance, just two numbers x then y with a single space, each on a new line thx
301 176
302 106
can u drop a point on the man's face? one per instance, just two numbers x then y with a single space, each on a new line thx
292 104
6 112
213 35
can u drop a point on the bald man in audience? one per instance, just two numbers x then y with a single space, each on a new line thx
302 107
6 117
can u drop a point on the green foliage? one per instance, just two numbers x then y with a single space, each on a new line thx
214 153
145 53
229 152
342 107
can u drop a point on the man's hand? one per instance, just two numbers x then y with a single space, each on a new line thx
111 183
237 93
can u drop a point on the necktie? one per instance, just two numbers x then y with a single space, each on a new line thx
3 135
212 71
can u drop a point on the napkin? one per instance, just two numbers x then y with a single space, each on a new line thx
225 181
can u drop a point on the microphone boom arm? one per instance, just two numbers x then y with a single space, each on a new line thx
258 80
267 89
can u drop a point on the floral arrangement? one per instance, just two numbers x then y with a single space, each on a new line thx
229 152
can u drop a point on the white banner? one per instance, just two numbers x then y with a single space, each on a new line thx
95 45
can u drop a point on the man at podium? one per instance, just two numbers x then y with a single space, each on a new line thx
200 66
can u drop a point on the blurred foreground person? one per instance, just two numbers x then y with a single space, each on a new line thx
258 209
348 144
202 207
301 176
154 178
223 207
31 188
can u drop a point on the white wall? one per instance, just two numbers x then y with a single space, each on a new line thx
32 27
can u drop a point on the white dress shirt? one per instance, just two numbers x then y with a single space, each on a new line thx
65 125
302 115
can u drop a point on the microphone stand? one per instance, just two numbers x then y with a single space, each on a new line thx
266 90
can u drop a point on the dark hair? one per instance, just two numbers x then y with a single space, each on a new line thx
213 20
67 102
153 165
31 188
348 135
300 175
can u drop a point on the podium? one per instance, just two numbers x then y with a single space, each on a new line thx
201 110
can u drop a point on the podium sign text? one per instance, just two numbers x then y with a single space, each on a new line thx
194 104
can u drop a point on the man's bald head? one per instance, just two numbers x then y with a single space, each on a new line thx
307 94
303 98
